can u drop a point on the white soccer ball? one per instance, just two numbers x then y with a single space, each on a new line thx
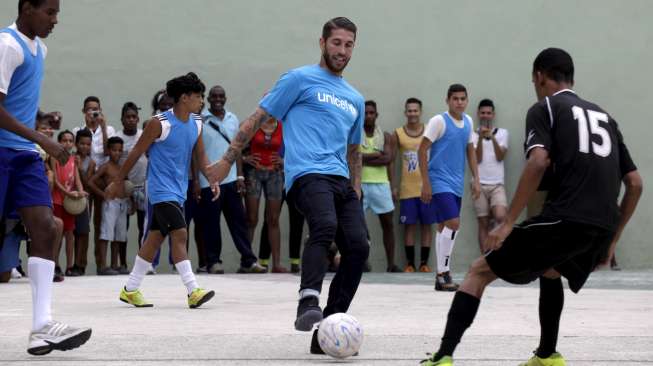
340 335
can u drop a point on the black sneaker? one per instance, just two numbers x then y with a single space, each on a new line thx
443 282
394 269
315 345
308 313
294 268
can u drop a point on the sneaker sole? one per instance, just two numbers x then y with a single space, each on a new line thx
305 322
65 345
137 306
209 295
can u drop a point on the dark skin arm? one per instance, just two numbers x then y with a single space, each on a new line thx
536 165
422 157
9 123
383 158
634 187
199 155
96 181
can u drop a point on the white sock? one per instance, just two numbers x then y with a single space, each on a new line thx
41 272
308 292
136 276
445 242
187 276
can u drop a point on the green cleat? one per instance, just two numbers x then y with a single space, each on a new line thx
134 298
443 361
198 297
555 359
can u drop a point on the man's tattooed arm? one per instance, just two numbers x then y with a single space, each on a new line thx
247 129
355 161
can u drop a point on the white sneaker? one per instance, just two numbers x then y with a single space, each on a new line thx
56 336
15 274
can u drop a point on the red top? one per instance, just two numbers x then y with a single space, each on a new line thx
66 176
266 145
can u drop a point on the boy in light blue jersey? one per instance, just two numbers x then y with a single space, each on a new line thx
23 182
171 140
448 138
323 121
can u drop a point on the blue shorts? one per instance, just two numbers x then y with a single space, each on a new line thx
414 211
446 205
10 252
23 182
377 197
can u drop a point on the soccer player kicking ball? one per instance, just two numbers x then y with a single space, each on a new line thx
171 139
574 232
23 183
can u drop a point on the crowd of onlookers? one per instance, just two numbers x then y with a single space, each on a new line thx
98 150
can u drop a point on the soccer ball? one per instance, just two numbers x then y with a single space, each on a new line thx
340 335
129 188
75 206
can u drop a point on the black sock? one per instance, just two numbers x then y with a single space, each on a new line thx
410 255
424 255
461 315
551 302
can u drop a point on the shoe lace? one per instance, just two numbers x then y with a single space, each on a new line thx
431 357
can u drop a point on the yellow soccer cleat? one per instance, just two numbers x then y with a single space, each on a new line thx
134 298
555 359
198 297
443 361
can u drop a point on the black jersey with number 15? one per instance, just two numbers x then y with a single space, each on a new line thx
588 158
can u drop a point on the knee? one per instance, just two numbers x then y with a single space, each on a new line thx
324 231
499 217
252 220
452 225
481 271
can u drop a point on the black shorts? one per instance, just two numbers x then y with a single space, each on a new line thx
167 217
539 244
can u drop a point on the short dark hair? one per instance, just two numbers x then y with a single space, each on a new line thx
115 140
34 3
456 88
371 103
486 103
186 84
338 23
129 106
90 98
556 64
160 94
413 100
64 132
84 132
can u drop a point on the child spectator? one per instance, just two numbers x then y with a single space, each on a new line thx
86 168
66 184
114 212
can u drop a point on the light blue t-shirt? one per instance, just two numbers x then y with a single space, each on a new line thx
322 115
170 156
215 145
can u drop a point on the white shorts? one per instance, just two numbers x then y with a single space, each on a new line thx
377 197
114 220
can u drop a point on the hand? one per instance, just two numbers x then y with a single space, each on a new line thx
217 171
115 189
277 161
485 131
101 121
359 193
83 194
55 150
395 194
254 160
608 259
215 188
197 190
476 190
241 187
78 162
427 194
72 194
497 236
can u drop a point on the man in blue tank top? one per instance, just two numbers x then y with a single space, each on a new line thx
323 121
171 140
23 183
448 139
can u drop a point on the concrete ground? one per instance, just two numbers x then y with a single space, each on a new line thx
250 322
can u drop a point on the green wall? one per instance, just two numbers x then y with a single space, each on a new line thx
124 50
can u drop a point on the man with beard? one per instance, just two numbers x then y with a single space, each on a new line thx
23 183
323 121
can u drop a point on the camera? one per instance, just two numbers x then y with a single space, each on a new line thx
96 114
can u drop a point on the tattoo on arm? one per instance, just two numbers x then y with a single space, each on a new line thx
247 130
355 164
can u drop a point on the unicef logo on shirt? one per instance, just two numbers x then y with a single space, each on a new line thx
338 102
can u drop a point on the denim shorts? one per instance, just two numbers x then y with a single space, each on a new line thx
268 181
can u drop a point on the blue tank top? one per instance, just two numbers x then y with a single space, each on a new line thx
169 158
22 99
448 156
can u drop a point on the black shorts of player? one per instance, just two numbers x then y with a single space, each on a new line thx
539 244
167 217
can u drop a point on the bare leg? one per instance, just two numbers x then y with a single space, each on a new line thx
70 249
483 223
251 204
272 212
388 237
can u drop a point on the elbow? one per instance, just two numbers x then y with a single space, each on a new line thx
634 182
